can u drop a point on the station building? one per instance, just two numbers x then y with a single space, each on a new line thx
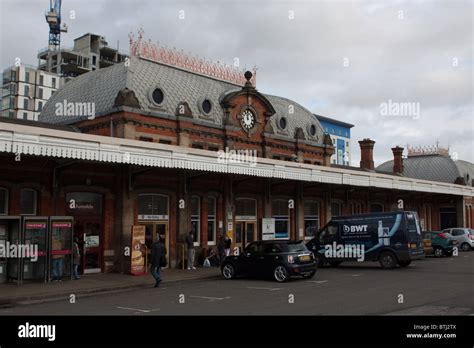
162 150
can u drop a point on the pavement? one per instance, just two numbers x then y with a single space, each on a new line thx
430 286
93 284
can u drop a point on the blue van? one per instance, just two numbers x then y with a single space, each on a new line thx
390 238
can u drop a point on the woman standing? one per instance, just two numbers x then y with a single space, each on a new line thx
76 259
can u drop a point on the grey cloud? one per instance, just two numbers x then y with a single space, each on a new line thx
407 59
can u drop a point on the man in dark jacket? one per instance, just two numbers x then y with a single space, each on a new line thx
158 256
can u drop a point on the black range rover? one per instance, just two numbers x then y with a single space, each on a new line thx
277 259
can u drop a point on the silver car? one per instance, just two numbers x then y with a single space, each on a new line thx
464 236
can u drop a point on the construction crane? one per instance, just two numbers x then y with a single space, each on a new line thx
53 18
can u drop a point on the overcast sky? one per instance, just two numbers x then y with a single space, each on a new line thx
340 59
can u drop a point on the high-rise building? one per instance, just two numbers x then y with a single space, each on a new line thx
25 90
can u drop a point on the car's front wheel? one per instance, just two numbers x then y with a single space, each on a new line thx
228 271
438 252
281 274
465 247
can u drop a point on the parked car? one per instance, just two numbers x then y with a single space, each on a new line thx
443 243
464 236
277 259
390 238
427 246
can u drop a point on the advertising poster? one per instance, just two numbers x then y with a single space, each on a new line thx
268 229
137 252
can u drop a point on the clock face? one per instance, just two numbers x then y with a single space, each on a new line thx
247 119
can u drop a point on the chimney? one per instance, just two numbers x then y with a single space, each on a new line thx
397 160
367 154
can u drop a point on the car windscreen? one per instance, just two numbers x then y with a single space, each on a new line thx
296 247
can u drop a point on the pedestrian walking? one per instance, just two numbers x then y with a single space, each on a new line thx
158 259
228 244
57 259
221 249
190 245
76 258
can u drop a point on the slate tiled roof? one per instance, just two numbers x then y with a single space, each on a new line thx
142 76
432 167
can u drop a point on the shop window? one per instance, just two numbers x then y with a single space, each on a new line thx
197 146
213 148
28 202
164 141
148 139
311 219
196 219
3 201
211 221
376 208
282 219
152 207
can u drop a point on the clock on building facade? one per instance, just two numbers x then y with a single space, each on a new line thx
247 120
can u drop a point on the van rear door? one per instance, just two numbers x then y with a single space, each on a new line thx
415 241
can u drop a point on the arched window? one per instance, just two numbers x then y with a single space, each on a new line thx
152 207
196 219
245 209
28 202
311 219
336 208
355 208
211 220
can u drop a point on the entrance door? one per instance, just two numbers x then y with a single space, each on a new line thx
245 233
89 234
152 230
448 217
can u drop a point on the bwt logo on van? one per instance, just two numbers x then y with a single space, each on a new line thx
355 228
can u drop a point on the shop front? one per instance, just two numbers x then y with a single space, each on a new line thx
153 213
245 222
86 209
